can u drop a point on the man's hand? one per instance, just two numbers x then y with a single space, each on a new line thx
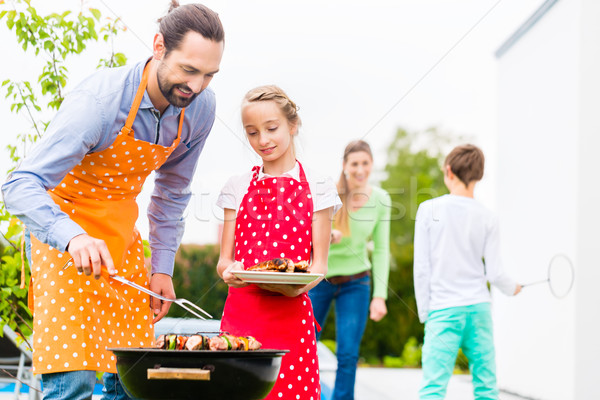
161 284
378 309
90 254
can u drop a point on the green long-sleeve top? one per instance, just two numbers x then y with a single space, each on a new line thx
350 256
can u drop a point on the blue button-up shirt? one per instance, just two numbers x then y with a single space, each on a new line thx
88 121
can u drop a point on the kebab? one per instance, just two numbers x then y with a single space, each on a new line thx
224 341
281 265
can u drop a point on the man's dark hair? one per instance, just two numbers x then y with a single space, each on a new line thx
190 17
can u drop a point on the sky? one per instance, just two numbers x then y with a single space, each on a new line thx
356 71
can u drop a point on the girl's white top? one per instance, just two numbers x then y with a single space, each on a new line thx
456 251
323 191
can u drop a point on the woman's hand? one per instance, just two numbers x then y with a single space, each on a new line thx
378 309
336 236
284 289
232 280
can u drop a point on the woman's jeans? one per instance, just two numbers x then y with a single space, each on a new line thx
351 310
79 385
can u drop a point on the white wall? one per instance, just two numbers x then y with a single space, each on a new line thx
587 327
538 198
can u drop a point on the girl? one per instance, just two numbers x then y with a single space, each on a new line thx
275 211
365 216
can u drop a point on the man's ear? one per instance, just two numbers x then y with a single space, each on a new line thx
158 47
449 172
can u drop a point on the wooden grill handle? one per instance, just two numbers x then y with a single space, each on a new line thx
187 374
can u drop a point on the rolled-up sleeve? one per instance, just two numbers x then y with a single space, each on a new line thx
74 131
171 196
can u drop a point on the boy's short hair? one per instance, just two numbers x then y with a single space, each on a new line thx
466 162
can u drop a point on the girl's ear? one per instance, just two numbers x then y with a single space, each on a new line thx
294 130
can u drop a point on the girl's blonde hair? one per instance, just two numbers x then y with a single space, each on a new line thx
276 94
342 217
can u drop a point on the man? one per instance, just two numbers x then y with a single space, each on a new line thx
76 195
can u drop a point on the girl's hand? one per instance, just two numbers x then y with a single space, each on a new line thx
378 309
231 279
284 289
336 236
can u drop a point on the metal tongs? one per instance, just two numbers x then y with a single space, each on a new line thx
183 303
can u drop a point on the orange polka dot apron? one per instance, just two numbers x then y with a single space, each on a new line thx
76 317
275 220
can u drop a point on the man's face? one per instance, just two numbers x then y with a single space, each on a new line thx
184 72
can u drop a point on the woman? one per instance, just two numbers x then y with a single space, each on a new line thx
365 216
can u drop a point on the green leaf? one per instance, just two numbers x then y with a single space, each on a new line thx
120 59
96 13
13 231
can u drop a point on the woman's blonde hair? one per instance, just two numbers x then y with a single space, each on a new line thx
342 217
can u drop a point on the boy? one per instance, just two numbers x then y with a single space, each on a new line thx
456 253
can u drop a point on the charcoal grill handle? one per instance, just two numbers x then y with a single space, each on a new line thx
185 374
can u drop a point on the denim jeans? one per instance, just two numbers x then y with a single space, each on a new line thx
351 310
79 385
447 330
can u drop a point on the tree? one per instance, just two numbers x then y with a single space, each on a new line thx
53 38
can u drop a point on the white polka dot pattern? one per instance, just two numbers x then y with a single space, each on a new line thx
278 218
76 317
274 220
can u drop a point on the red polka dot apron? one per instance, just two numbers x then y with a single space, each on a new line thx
274 220
76 317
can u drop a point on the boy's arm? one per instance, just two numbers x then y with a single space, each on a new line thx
493 265
421 263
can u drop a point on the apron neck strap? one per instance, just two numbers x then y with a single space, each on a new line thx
256 170
137 101
302 174
139 95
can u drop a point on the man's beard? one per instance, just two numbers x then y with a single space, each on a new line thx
168 90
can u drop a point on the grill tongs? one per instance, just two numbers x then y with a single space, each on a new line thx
183 303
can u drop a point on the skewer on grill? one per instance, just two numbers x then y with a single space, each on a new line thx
224 341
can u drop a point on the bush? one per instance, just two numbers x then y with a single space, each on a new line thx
411 354
330 344
195 278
